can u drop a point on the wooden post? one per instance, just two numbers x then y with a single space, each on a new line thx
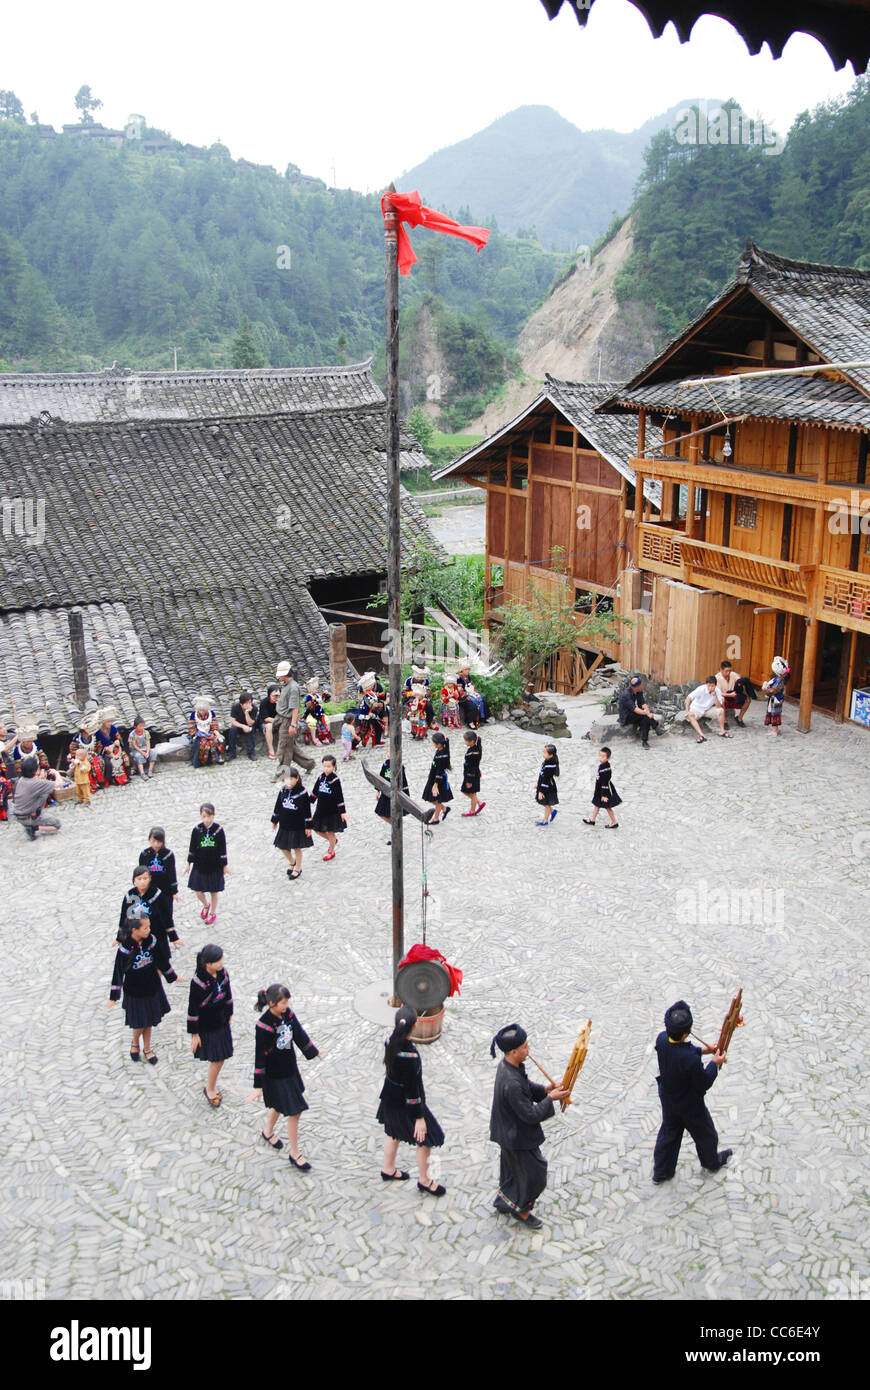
394 579
808 675
79 659
338 660
847 662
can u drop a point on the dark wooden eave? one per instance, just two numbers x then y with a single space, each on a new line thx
841 26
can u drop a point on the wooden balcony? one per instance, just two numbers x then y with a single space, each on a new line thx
755 577
832 595
844 598
784 487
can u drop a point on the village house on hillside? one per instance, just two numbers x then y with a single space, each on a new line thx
199 520
560 505
762 542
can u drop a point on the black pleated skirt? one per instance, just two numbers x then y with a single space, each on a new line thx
444 792
382 806
471 784
206 880
615 798
328 822
146 1011
215 1046
549 797
284 1094
293 839
398 1124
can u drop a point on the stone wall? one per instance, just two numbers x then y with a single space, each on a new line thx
540 714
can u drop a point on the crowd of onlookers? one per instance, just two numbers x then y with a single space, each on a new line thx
727 692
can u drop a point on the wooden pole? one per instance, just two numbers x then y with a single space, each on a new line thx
338 660
808 675
394 580
79 660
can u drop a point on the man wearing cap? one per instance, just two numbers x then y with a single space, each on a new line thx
683 1081
518 1108
287 721
633 709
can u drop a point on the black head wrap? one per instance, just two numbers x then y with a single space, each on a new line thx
678 1019
508 1038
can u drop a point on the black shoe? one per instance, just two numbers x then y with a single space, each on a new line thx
303 1167
659 731
531 1221
501 1205
665 1178
724 1157
446 812
30 832
644 744
436 1191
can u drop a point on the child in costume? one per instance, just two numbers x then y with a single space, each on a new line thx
774 689
546 794
605 794
349 736
81 771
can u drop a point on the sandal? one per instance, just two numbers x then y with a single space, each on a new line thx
726 735
330 855
480 808
151 1058
212 917
701 739
613 825
396 1176
303 1166
271 1140
204 913
216 1101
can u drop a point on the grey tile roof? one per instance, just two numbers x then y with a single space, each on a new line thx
201 536
827 306
118 395
613 436
813 400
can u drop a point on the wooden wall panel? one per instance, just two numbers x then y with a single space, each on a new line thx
560 523
843 449
540 534
551 463
517 505
495 516
761 651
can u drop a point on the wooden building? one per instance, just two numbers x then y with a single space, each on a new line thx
560 503
762 542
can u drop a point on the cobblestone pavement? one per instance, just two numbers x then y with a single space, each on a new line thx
119 1181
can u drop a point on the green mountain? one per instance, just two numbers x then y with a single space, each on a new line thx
698 202
129 249
537 174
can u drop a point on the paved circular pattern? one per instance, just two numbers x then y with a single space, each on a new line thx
735 863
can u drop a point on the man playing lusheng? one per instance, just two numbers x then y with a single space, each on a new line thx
518 1107
683 1082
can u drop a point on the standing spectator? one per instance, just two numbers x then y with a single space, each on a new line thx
287 721
81 771
633 709
774 689
242 724
349 736
702 699
737 691
266 716
29 798
139 743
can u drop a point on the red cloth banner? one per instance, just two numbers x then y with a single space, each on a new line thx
408 208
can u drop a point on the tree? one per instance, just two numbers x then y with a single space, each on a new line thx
87 105
10 107
244 351
422 428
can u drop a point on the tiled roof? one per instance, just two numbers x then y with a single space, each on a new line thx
201 536
614 436
102 397
842 26
826 306
814 400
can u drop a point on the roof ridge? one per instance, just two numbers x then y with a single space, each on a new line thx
754 255
193 374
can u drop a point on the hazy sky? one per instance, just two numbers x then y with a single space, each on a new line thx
368 88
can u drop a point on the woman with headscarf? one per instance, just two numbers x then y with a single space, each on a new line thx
204 733
403 1111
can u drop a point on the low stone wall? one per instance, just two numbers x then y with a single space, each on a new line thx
541 715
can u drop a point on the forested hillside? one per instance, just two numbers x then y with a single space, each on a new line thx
698 203
116 254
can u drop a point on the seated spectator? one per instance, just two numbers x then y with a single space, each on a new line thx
31 791
86 738
116 763
702 699
26 746
204 733
633 709
266 717
139 743
316 722
419 677
472 705
7 770
737 691
243 724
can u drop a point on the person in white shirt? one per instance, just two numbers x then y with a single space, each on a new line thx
702 699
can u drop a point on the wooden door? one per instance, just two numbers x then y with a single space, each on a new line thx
762 653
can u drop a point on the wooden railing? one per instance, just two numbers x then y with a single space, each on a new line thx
846 497
844 598
659 550
757 577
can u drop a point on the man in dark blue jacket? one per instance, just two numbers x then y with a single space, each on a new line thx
518 1107
633 709
683 1081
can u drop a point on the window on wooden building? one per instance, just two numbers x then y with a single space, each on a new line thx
541 433
565 439
746 512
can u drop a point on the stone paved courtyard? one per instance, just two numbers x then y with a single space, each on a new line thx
118 1181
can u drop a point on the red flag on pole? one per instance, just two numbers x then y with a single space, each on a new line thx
408 208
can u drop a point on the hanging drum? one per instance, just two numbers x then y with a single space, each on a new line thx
423 984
